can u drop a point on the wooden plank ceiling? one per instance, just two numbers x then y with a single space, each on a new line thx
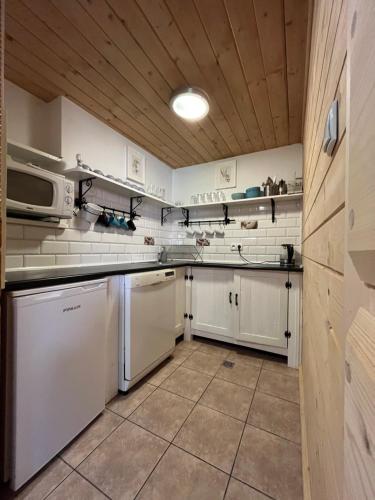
121 60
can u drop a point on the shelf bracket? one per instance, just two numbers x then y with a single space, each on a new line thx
133 207
165 211
81 194
186 214
273 210
226 218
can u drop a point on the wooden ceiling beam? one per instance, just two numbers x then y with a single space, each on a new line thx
245 33
216 23
271 28
188 22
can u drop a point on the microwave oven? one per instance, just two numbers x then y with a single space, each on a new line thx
36 192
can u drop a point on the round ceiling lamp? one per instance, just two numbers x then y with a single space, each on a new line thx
190 103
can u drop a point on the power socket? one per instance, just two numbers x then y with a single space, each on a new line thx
234 247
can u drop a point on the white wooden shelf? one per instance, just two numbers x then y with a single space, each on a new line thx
80 174
247 201
61 224
31 155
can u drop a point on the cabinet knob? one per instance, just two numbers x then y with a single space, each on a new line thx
236 299
230 297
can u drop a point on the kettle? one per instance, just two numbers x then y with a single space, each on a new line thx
163 256
287 254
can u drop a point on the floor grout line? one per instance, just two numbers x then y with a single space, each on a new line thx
274 434
55 488
92 484
252 487
243 430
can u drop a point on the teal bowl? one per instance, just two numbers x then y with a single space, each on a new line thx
238 196
253 192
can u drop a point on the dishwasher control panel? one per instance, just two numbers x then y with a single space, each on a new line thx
149 278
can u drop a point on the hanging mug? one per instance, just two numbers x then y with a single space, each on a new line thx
131 225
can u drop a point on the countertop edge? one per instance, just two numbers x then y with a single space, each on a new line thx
106 271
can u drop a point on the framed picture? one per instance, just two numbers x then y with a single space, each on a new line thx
226 174
136 166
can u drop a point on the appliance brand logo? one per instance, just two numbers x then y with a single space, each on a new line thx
72 308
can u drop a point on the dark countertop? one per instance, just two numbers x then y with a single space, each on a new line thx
34 278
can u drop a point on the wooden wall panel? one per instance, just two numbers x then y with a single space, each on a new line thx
359 300
323 249
360 408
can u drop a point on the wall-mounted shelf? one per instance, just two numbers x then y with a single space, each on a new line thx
28 154
62 224
80 174
248 201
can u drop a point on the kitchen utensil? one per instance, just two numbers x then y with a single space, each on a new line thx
253 192
238 196
282 187
123 223
287 253
131 225
104 219
114 221
90 212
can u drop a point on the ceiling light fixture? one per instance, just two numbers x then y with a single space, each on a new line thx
190 103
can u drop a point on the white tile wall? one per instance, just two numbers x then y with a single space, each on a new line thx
261 244
35 246
29 246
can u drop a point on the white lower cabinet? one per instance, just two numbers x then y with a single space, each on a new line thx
212 305
262 311
259 309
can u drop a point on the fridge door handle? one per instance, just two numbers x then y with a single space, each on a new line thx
97 286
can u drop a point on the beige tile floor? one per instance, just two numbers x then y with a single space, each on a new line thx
194 429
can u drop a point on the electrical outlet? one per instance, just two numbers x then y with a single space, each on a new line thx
234 247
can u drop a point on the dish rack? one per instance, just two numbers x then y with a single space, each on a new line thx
183 252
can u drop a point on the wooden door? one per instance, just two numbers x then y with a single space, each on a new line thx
212 309
261 314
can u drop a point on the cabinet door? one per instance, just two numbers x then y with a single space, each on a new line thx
262 307
180 297
211 308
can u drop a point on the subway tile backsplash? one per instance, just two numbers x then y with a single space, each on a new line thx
260 244
35 246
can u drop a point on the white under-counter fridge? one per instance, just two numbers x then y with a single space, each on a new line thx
58 386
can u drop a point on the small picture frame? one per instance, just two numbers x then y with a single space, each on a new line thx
136 166
226 174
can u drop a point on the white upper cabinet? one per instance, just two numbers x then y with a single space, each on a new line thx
262 307
211 307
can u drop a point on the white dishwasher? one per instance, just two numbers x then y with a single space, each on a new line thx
147 322
59 370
